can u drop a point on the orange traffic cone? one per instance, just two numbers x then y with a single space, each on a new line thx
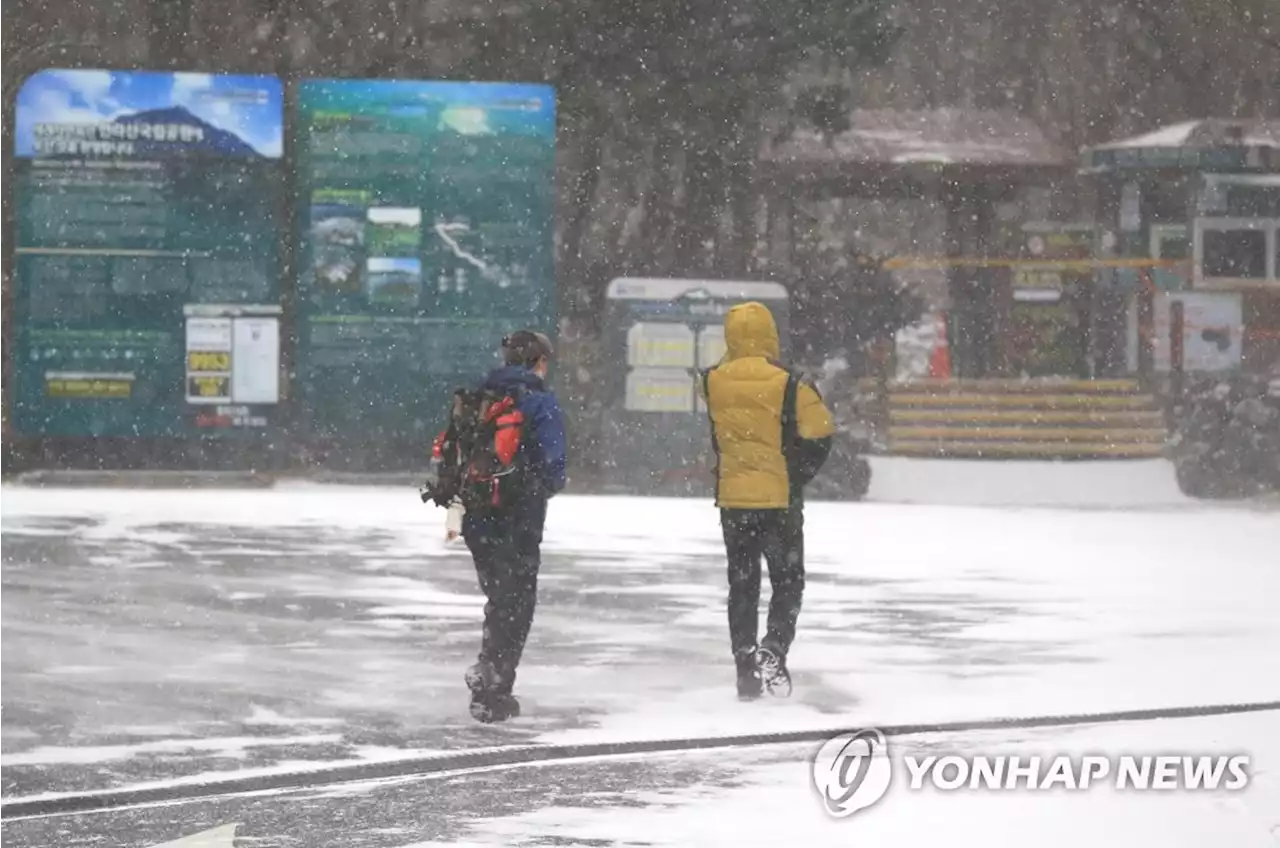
940 357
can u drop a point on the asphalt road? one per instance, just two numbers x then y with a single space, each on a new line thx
132 661
406 812
156 658
178 650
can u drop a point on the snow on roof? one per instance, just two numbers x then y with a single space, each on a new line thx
1174 135
1208 132
648 288
940 136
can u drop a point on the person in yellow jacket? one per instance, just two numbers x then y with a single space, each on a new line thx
771 433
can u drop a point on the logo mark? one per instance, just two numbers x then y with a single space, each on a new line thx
852 771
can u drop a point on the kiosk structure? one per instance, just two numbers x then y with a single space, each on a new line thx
1202 198
658 335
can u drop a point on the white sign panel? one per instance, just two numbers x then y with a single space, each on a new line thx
1212 336
256 355
711 346
660 390
660 345
209 334
232 358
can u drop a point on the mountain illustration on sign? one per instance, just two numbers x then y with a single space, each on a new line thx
214 140
210 141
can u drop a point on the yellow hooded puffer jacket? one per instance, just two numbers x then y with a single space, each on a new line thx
744 395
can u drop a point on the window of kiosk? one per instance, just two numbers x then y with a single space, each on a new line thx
1240 196
1253 201
1169 241
1238 254
1236 249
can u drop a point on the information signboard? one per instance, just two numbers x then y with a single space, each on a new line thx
659 334
140 196
427 211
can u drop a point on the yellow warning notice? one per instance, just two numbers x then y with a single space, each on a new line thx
208 360
213 386
87 387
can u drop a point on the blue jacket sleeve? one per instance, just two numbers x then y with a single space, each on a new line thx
548 430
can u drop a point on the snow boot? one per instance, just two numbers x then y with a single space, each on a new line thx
773 671
492 707
749 682
488 702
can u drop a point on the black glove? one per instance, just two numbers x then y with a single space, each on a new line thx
439 496
807 458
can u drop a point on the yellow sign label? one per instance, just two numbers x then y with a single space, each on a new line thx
81 387
209 387
1037 279
208 360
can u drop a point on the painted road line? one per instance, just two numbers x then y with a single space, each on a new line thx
41 806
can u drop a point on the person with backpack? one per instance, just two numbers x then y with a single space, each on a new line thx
503 459
771 433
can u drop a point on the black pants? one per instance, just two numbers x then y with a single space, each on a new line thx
507 554
778 536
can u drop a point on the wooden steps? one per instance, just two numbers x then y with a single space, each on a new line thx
1040 419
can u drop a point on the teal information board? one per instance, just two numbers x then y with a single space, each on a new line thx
427 215
147 277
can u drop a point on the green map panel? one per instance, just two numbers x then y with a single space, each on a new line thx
427 215
139 194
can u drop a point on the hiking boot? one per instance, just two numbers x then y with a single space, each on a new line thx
749 683
481 677
488 702
773 671
490 707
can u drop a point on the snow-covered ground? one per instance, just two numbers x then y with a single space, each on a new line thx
773 803
177 628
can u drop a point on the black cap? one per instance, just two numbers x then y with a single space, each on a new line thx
526 347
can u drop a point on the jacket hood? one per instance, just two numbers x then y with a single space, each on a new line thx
509 376
749 330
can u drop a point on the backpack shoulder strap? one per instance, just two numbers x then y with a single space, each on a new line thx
705 376
790 425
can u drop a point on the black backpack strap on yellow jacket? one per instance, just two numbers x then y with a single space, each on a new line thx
790 425
804 457
705 377
791 446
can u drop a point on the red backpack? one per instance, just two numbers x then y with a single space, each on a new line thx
483 462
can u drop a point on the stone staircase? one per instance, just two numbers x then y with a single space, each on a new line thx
1031 419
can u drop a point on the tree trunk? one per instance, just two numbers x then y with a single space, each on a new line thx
170 21
580 200
704 181
735 257
659 204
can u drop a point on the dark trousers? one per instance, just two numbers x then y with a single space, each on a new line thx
507 553
777 535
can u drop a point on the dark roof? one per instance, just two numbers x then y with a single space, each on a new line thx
1206 143
963 137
